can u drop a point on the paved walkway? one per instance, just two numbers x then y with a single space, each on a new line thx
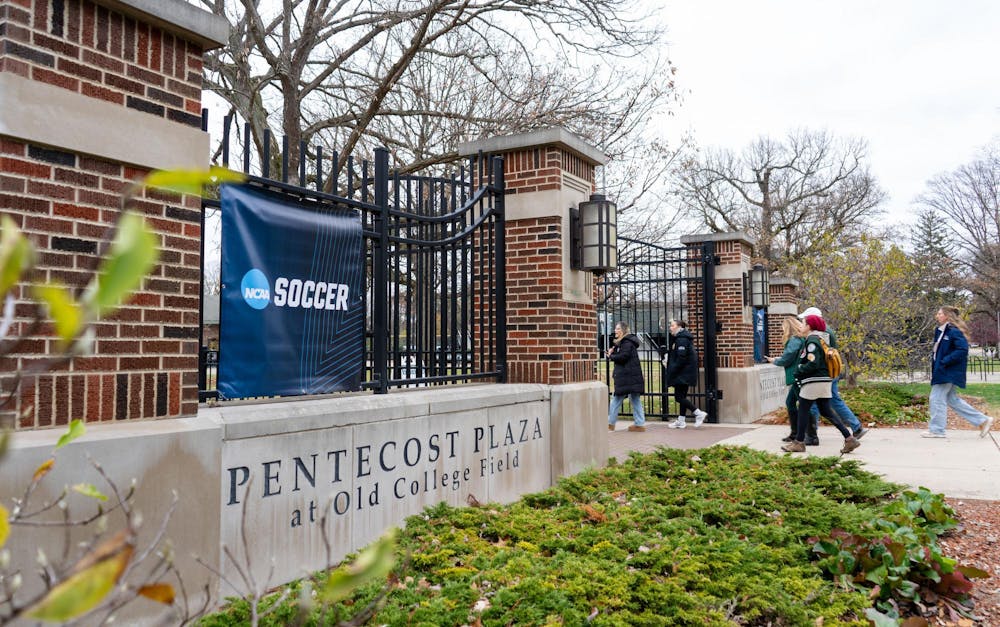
963 465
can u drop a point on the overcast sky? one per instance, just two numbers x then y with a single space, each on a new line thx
919 79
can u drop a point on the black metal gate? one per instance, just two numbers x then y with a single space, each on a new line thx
652 286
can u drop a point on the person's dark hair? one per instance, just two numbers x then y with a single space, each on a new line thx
681 324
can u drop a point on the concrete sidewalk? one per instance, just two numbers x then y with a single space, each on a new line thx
963 465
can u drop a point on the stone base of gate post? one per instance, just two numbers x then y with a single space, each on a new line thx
577 444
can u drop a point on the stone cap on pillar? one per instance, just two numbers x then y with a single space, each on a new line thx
194 24
555 136
732 236
781 281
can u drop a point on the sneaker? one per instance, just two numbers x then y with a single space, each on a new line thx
794 447
636 428
611 427
699 417
677 424
788 438
850 444
860 433
984 428
931 434
812 442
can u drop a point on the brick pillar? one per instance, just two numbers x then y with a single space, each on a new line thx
784 302
551 310
92 96
735 341
748 390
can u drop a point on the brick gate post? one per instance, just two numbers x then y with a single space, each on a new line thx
551 309
784 302
748 390
92 96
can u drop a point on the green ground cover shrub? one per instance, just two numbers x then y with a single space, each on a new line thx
717 536
888 403
906 403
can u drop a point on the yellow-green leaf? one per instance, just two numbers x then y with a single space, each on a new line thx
88 489
75 430
83 591
192 181
16 254
43 469
159 592
63 310
131 257
4 525
375 562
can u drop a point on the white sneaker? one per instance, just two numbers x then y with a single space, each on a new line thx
677 424
699 417
931 434
984 429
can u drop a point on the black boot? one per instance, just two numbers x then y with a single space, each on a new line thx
812 439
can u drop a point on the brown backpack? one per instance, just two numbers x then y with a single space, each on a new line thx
834 362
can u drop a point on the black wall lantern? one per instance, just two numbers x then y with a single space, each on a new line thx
756 287
760 287
594 229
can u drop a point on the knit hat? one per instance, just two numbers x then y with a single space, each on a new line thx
815 323
810 311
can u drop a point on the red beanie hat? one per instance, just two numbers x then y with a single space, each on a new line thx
816 323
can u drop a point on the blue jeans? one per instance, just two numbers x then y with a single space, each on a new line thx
637 413
943 396
838 405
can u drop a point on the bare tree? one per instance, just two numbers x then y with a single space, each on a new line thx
966 205
797 197
423 76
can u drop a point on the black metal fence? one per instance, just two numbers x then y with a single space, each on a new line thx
435 287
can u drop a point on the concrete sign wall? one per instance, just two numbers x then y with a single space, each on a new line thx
369 469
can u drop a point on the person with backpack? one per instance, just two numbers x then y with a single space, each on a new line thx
682 373
949 359
814 382
836 401
793 335
627 377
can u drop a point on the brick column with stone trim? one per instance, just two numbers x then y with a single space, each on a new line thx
748 390
784 297
551 310
94 95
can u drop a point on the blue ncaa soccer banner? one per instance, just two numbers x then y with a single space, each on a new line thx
292 312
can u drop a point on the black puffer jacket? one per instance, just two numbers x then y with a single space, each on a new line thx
628 370
682 360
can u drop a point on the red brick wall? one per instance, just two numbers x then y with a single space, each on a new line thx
146 355
549 340
91 50
542 168
782 293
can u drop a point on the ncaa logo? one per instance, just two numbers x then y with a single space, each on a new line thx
256 289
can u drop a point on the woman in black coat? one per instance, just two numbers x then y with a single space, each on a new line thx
627 377
682 372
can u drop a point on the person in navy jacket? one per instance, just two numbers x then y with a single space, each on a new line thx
950 358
